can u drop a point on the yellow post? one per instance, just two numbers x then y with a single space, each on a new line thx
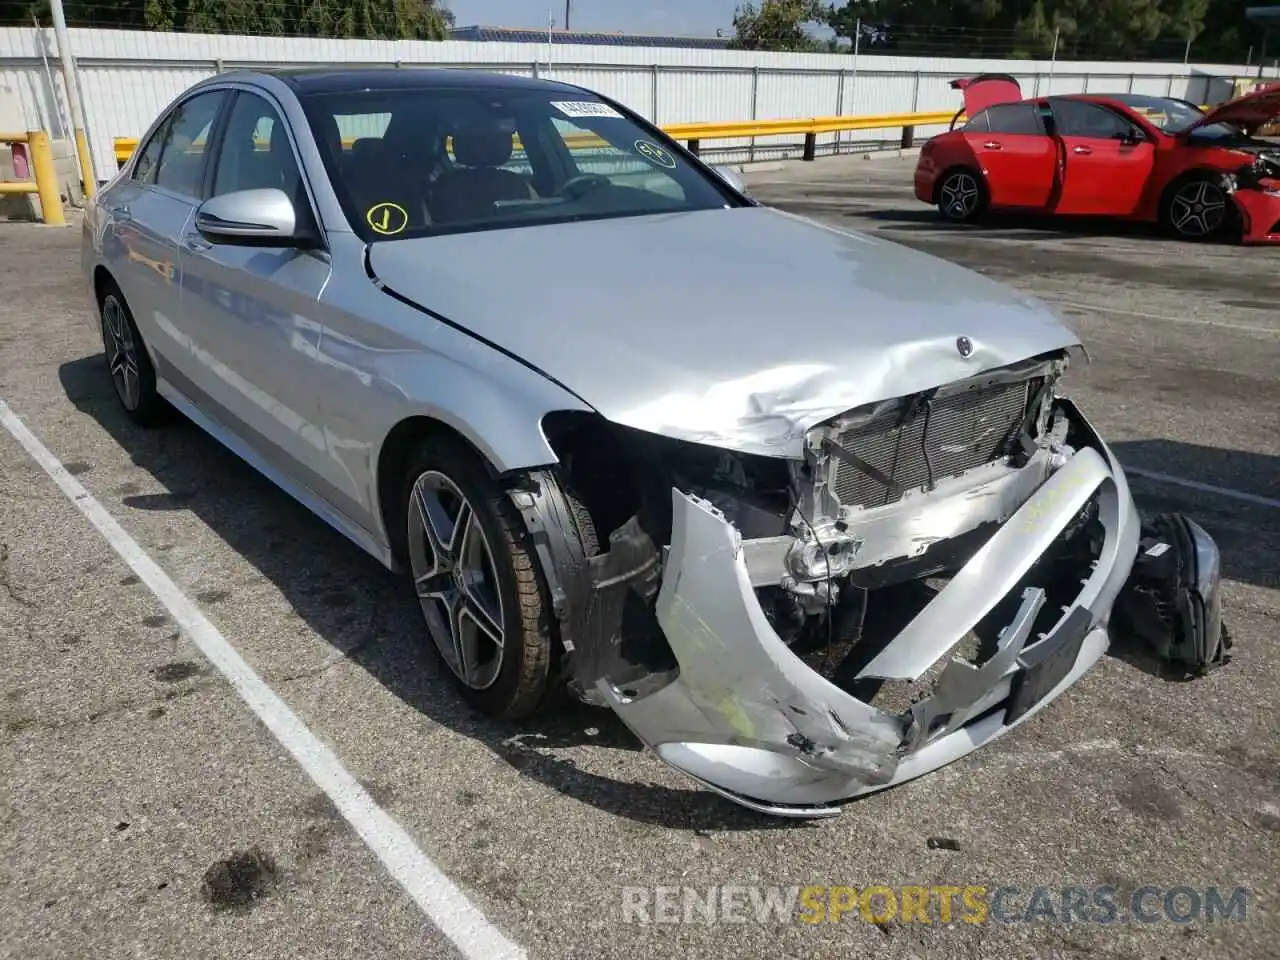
86 168
46 178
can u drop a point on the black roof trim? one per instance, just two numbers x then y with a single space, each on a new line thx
306 80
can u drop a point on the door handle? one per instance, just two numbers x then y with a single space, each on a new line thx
991 145
196 244
1082 150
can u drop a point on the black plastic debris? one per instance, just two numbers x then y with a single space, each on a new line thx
1173 598
942 843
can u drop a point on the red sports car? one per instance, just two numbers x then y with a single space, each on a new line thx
1122 155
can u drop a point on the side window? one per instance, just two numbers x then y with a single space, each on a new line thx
1018 118
182 151
255 152
978 124
144 171
1075 118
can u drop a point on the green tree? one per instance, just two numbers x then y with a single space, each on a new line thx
1101 29
364 19
777 25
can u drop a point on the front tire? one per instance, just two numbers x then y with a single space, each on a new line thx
475 575
1196 209
132 375
962 196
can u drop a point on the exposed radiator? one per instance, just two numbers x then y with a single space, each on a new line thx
965 430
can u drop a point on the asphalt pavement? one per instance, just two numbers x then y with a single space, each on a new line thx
148 811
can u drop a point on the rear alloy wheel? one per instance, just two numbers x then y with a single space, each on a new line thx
132 374
476 582
961 196
1197 210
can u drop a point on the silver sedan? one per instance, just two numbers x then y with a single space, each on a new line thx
627 431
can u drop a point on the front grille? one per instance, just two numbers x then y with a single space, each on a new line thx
965 430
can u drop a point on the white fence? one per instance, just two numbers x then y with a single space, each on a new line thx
127 77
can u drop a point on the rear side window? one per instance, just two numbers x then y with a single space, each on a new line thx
144 171
978 124
1020 118
182 151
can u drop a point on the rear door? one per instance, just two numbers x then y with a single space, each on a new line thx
1015 154
1104 171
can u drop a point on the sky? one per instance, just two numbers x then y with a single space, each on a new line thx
673 17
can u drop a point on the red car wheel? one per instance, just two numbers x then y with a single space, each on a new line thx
1196 209
961 195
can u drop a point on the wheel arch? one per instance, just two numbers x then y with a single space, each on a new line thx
103 280
394 455
1188 175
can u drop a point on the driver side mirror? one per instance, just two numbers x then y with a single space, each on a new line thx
732 178
264 218
1131 137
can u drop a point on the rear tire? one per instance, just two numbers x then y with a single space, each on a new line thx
1197 209
128 363
962 195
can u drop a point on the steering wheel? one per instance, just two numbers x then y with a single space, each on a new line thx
580 185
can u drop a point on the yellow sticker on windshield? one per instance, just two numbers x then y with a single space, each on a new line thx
655 154
387 218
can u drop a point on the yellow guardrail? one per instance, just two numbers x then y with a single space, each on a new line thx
45 184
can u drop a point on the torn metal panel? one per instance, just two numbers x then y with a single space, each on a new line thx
995 569
745 715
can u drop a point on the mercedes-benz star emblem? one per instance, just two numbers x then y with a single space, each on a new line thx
964 345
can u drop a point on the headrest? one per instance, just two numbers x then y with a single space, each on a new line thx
368 148
482 145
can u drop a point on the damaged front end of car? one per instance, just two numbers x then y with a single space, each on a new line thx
792 632
1255 190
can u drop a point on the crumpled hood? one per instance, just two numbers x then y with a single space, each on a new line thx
741 328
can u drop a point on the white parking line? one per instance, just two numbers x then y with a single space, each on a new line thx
444 904
1204 487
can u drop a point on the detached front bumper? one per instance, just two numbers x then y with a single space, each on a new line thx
1259 211
747 718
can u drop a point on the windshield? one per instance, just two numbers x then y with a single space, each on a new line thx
1174 116
420 162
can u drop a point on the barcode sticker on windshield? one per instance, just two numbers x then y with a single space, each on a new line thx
585 108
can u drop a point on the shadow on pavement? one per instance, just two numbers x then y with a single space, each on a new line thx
1021 226
371 616
1248 534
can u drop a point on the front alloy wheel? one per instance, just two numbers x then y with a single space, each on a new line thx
477 580
456 579
1198 210
960 196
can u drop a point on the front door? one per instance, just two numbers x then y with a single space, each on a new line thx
1014 153
1106 160
252 310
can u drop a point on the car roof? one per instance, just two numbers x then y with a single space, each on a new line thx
307 80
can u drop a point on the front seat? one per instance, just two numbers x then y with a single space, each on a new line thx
470 191
377 175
